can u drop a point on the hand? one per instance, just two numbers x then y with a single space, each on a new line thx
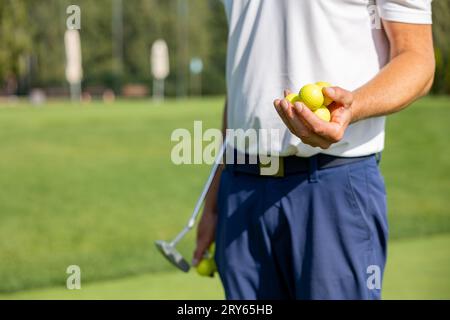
312 130
206 230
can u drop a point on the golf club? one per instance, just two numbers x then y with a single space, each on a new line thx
168 249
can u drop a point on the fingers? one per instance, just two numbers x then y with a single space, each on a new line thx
287 109
339 95
301 127
312 130
287 92
339 114
310 138
206 231
282 108
324 133
200 250
311 120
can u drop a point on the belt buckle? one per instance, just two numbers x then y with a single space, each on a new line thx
280 172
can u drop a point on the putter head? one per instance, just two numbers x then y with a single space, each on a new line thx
172 255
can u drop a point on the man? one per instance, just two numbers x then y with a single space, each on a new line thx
317 229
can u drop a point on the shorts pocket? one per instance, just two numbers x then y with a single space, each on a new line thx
359 194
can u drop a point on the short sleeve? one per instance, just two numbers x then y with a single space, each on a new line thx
407 11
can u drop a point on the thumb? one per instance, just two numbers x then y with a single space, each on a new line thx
339 95
286 92
199 252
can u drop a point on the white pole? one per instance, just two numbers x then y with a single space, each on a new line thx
74 69
160 68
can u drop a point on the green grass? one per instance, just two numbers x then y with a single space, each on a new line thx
417 269
416 166
94 186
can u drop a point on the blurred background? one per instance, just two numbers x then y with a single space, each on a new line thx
116 40
85 172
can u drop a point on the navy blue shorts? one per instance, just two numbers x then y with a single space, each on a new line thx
316 235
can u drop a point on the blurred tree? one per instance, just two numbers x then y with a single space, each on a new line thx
216 60
32 45
201 44
15 44
141 30
100 67
48 58
441 32
159 19
33 32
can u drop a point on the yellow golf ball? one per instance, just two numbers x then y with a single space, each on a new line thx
323 84
312 96
292 98
212 249
206 267
323 113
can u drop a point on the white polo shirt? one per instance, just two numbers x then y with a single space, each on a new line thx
284 44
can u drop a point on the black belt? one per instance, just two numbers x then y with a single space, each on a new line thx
292 165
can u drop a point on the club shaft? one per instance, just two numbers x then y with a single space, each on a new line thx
180 236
